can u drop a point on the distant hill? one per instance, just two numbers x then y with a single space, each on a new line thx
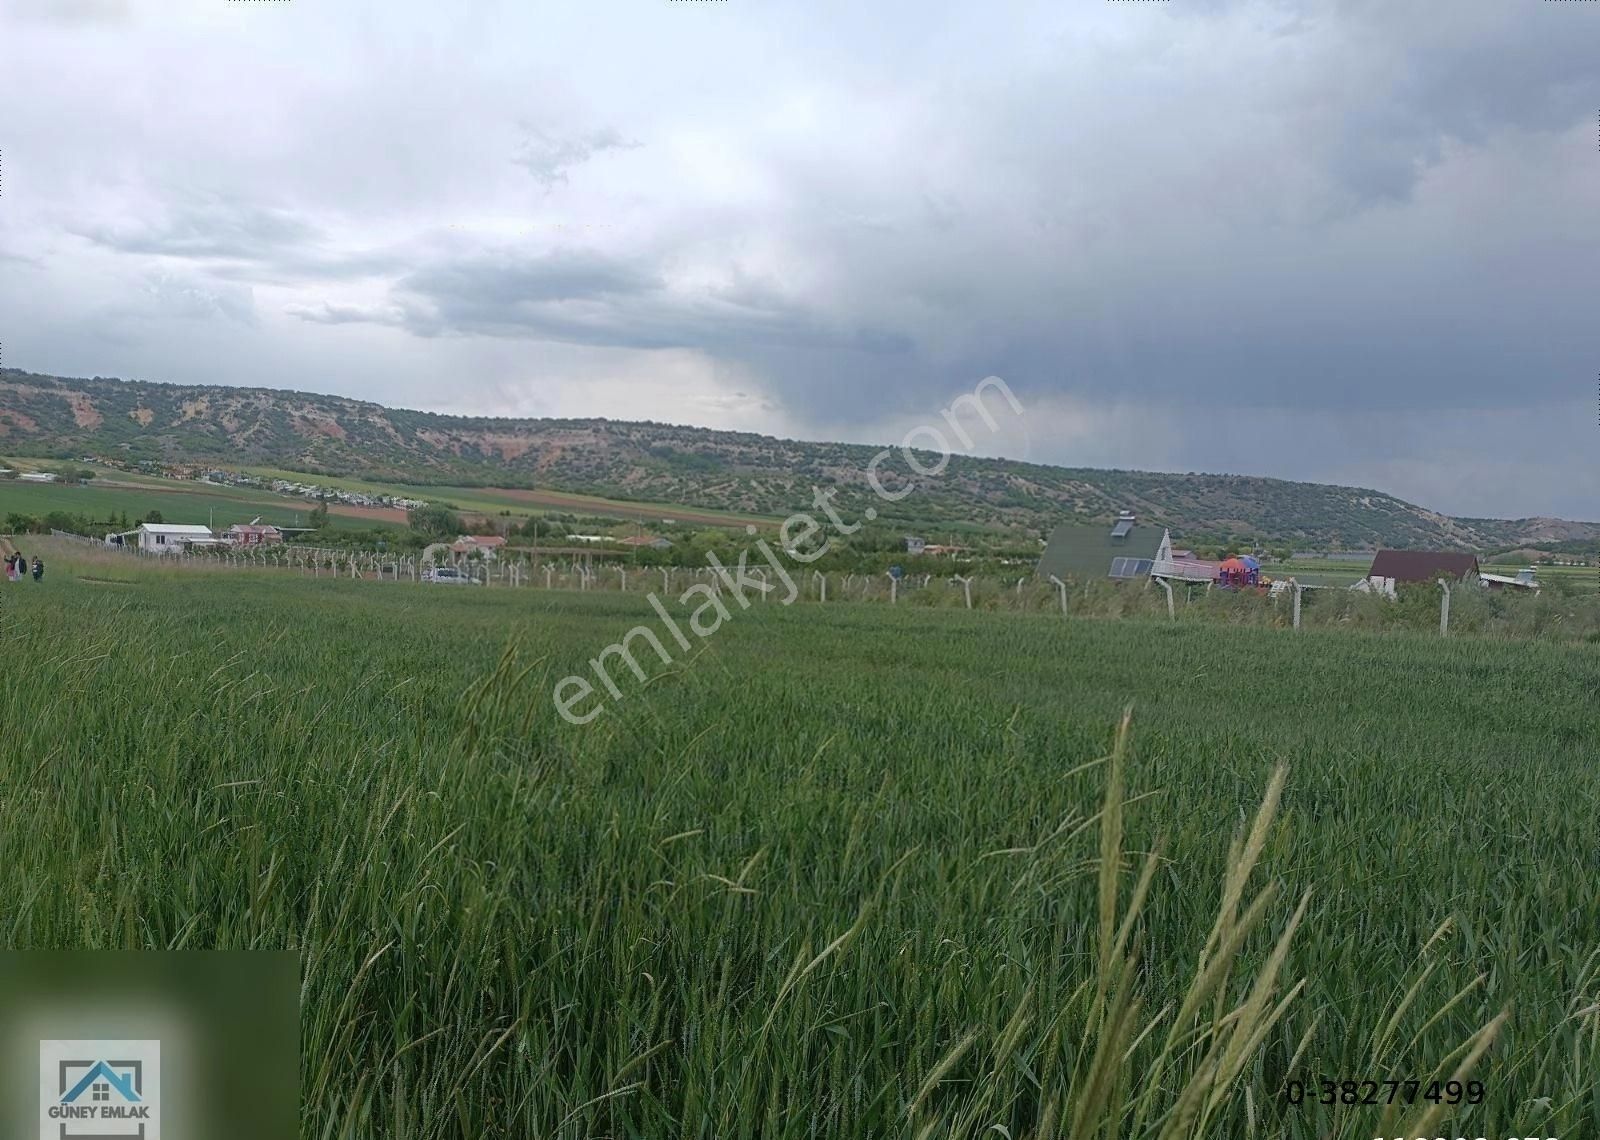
331 435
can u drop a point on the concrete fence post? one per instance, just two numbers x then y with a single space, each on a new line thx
1172 610
1444 609
966 588
1062 586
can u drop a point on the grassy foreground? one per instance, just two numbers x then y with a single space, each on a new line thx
846 873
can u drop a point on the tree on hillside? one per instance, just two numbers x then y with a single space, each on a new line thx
319 514
153 517
434 522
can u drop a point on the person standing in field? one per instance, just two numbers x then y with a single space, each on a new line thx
38 568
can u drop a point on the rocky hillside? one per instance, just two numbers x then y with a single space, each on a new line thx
330 435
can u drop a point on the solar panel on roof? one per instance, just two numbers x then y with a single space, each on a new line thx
1123 528
1131 567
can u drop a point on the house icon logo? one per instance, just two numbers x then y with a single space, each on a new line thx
99 1090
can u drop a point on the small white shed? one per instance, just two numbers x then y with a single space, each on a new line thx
173 538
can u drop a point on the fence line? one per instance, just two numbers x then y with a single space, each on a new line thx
80 538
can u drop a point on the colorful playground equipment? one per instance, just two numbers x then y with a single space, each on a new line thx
1239 572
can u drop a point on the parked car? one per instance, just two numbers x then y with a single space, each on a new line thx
449 574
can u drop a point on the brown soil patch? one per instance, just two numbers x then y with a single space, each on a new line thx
143 415
509 446
84 413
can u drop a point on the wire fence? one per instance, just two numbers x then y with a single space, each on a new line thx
1557 612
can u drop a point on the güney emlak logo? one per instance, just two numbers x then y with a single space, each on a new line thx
99 1090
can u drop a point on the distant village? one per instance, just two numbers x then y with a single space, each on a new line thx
313 491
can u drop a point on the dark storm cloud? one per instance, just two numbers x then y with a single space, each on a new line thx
1272 236
588 298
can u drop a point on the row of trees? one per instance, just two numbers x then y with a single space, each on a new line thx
19 523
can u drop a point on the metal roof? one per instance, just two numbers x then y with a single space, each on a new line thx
1085 550
176 528
1422 565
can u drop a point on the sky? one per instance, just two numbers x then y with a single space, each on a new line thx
1346 241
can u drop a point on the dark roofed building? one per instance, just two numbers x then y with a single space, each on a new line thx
1120 549
1423 565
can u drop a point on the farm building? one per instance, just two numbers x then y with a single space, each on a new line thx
485 544
915 545
1391 568
172 538
252 534
1122 549
645 540
37 477
1525 579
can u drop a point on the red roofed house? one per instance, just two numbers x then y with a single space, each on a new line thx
485 544
252 534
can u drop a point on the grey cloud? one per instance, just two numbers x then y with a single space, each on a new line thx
239 241
190 298
587 298
213 227
1247 218
548 157
330 314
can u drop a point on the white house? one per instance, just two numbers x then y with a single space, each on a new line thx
481 544
172 538
38 477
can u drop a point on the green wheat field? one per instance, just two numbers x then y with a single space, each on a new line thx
847 871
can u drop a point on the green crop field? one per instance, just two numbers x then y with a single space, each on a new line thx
494 500
179 501
844 871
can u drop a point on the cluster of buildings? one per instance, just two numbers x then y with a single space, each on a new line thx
1126 550
310 490
175 538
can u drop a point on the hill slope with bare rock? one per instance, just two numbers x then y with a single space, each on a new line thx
699 467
